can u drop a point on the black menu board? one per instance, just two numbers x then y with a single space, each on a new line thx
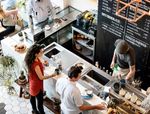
109 21
111 27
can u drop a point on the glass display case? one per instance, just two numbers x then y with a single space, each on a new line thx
60 31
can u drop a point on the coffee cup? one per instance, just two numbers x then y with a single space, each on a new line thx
89 92
122 83
116 87
57 71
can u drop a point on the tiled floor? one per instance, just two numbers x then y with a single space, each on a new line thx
16 105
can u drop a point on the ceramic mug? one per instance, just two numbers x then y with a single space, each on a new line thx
122 83
116 87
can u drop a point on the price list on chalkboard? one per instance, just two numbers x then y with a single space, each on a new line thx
109 21
137 34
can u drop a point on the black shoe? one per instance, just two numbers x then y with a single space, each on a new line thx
35 112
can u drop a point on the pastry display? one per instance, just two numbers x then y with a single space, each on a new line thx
113 111
129 100
138 102
128 95
21 48
122 92
133 98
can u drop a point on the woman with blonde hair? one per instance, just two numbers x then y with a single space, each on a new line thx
8 20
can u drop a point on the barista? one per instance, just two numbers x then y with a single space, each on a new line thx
71 100
39 11
123 61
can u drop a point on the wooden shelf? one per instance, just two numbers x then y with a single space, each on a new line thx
82 38
84 43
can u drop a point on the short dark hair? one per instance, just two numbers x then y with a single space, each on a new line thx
74 71
121 46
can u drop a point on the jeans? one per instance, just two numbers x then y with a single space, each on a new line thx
39 98
42 24
9 29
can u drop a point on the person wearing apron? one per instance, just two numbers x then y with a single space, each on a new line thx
123 61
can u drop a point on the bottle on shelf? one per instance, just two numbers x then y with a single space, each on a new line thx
97 64
104 69
107 71
31 26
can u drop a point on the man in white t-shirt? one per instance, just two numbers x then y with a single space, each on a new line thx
39 11
71 100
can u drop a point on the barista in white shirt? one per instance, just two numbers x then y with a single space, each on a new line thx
71 100
39 11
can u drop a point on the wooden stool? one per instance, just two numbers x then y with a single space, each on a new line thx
47 102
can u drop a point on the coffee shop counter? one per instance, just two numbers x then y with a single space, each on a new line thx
64 56
66 59
92 101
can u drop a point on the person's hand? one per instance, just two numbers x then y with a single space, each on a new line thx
119 75
101 106
126 78
46 63
53 75
112 65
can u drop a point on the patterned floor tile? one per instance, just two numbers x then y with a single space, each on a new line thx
9 112
16 109
15 102
8 107
23 111
17 105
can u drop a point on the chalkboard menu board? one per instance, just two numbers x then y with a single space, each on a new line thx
112 27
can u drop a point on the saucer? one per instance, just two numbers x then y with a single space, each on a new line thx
56 25
47 27
87 97
21 48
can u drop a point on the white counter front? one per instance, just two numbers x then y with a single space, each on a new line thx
49 86
68 59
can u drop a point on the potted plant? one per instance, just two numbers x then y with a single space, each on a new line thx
8 72
21 5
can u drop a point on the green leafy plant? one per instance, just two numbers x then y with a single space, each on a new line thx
8 71
21 3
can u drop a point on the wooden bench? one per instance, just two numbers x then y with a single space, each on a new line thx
47 102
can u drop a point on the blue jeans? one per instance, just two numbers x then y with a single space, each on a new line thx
42 24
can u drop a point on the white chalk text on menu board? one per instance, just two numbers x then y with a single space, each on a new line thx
138 34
